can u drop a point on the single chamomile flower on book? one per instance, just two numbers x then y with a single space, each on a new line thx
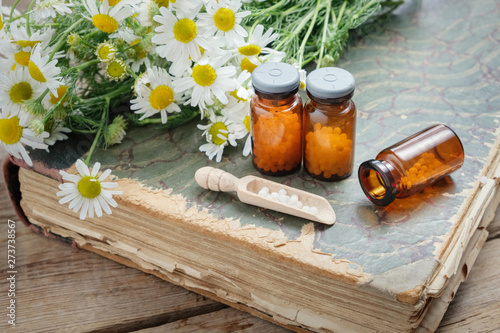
106 18
16 88
222 19
208 78
156 97
44 70
15 134
86 192
219 133
47 9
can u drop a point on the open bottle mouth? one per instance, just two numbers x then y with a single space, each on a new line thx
377 182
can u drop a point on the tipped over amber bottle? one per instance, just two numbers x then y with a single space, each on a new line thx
329 124
276 119
408 166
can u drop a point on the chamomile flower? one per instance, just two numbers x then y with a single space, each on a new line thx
219 133
257 42
106 18
44 70
47 9
50 100
57 132
105 52
138 50
208 78
239 115
116 131
156 97
26 42
16 88
15 134
178 38
303 76
116 70
86 192
222 19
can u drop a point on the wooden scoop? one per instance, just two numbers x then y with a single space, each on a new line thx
248 188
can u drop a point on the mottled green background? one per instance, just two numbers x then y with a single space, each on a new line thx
436 62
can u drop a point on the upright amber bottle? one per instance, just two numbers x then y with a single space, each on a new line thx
329 124
412 164
276 114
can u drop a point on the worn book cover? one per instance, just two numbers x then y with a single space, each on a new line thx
389 269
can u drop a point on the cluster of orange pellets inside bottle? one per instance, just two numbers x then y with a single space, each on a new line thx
328 151
427 167
278 144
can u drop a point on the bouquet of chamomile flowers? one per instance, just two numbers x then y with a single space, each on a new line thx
67 64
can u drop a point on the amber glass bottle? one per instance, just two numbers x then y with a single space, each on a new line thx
412 164
329 124
276 118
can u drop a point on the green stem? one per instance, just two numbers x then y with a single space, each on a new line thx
323 37
295 31
98 134
263 12
109 95
54 108
28 28
341 12
12 10
308 33
62 37
131 72
80 67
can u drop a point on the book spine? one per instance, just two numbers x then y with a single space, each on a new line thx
10 173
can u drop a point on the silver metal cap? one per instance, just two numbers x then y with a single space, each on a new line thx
330 82
275 77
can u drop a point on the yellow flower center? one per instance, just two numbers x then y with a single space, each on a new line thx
106 52
215 131
112 2
164 3
185 30
10 131
22 58
246 121
224 19
234 93
35 72
161 97
27 43
105 23
20 92
204 75
116 69
248 65
89 187
250 50
1 23
60 93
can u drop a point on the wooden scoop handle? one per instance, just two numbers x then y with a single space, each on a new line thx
216 179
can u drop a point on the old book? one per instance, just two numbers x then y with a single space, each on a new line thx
392 269
375 269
